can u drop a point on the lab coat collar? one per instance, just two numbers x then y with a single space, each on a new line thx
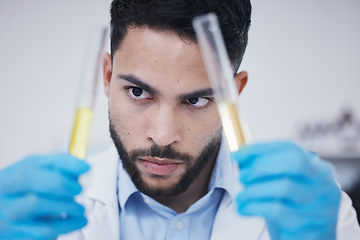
125 187
102 177
100 197
220 177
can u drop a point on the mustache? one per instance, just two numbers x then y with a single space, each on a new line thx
161 152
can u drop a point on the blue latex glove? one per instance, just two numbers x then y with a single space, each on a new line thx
37 197
292 189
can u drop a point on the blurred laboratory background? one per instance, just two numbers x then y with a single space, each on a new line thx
303 60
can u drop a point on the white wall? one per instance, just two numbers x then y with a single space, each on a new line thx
42 50
303 61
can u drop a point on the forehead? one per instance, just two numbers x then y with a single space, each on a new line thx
161 59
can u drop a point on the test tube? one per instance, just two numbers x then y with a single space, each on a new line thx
219 70
87 91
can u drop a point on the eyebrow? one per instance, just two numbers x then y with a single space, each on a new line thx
200 93
136 81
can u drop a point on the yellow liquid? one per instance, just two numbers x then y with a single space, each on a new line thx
81 132
232 125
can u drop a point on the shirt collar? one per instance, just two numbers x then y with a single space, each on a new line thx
125 186
222 176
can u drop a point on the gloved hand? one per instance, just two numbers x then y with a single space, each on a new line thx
292 189
37 197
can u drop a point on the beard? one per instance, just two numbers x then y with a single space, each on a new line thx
194 165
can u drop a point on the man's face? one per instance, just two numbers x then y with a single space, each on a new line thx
163 118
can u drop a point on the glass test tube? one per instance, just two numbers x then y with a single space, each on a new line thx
87 92
218 66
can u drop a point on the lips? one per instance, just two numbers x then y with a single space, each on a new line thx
160 166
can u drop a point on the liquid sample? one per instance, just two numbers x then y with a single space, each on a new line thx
81 132
232 125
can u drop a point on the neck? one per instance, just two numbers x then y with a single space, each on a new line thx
196 190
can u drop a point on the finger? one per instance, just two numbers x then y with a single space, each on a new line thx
286 222
65 163
55 228
273 211
51 182
295 164
245 154
32 207
52 229
289 215
283 190
42 181
281 164
42 230
291 192
9 232
42 172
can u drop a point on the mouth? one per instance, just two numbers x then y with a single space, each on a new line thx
160 166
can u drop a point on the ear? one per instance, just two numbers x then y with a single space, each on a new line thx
241 79
107 73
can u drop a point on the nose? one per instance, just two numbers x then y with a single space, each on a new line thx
164 127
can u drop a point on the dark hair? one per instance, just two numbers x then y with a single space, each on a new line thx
177 15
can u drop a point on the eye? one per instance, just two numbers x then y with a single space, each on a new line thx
138 93
198 102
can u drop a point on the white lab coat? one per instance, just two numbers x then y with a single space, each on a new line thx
100 199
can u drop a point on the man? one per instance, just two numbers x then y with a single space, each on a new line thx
172 176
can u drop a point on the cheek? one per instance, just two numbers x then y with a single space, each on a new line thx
199 133
127 122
